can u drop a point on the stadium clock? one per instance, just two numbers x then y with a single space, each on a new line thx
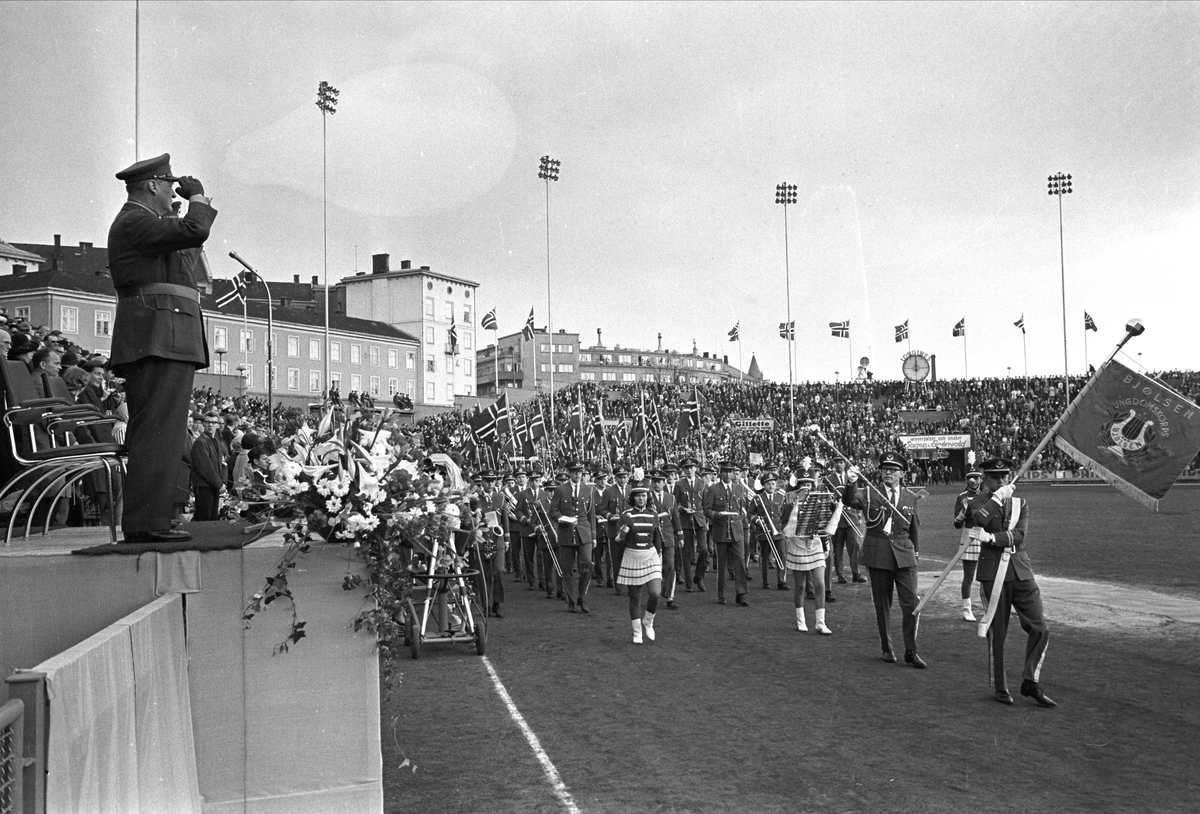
915 365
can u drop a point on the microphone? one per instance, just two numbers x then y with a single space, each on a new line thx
249 267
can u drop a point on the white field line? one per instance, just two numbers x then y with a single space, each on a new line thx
560 788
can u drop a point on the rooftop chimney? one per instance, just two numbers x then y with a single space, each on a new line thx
424 268
295 278
379 263
316 281
86 247
405 265
660 342
726 358
58 241
599 339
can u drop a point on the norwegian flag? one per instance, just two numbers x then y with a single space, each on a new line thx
527 331
734 336
902 331
689 416
787 330
1020 323
537 425
840 329
1089 324
488 323
960 327
641 429
238 292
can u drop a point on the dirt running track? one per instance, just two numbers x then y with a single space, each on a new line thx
733 710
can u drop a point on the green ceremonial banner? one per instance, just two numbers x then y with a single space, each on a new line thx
1134 431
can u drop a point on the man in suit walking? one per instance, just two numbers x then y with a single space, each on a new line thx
689 495
573 510
889 549
614 501
726 515
158 337
662 503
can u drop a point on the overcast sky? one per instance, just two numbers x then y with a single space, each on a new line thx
919 137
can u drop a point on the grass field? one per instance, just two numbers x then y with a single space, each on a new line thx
733 710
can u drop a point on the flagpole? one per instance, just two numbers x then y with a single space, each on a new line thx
1085 350
1025 354
966 369
496 342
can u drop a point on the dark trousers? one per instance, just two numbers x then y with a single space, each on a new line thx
905 582
852 541
576 564
616 553
731 555
767 559
529 556
668 572
602 567
207 502
695 550
1025 597
159 392
491 569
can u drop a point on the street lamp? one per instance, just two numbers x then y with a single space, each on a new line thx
548 171
327 103
785 194
1059 185
220 369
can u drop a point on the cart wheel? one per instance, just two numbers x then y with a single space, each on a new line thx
480 627
411 632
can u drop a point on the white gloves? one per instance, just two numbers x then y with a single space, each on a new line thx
1004 492
852 474
976 533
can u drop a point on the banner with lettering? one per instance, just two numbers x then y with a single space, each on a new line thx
1133 431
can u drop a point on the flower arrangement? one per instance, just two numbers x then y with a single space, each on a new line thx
359 484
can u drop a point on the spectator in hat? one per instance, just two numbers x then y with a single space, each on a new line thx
23 347
158 334
890 549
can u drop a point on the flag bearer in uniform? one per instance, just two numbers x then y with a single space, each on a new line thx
805 518
970 557
525 530
641 562
889 549
602 569
1001 522
662 503
573 511
726 515
689 495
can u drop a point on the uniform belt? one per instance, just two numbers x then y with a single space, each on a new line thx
170 289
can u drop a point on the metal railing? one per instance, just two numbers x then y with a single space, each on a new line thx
23 734
12 757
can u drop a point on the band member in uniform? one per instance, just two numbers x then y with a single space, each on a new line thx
672 472
971 556
602 568
689 495
849 536
766 529
573 511
662 503
726 516
158 339
612 503
524 529
492 545
641 561
806 516
889 549
1001 521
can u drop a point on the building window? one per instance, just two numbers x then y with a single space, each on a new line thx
429 391
543 348
69 316
585 357
374 385
104 323
430 364
410 387
564 368
220 337
544 367
410 360
335 380
248 375
648 377
373 355
355 382
564 348
629 377
467 314
246 341
23 312
624 359
449 392
273 372
429 307
314 349
293 348
609 376
588 376
449 311
293 378
355 354
393 357
314 381
467 367
393 387
335 351
467 340
429 336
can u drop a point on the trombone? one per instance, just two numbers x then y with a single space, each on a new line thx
544 526
772 532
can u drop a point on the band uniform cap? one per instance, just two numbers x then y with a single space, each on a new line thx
996 466
638 490
708 470
817 465
575 466
656 474
669 468
520 471
974 474
689 461
767 477
489 474
892 460
806 480
147 168
620 471
727 466
561 477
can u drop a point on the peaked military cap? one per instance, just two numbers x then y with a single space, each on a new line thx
892 460
147 168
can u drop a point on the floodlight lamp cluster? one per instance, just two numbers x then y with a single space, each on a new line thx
548 171
327 96
1058 184
785 193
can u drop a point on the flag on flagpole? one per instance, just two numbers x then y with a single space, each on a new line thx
537 425
527 331
1089 324
689 416
787 330
452 336
238 292
1020 323
960 327
902 331
1133 431
840 329
733 332
488 322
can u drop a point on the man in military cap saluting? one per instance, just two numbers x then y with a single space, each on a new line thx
158 335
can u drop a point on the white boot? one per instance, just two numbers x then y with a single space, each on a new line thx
800 626
648 625
821 623
637 631
966 610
